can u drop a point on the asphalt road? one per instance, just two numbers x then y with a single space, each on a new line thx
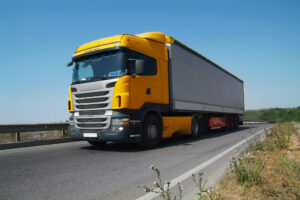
78 171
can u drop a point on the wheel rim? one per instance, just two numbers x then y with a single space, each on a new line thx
152 131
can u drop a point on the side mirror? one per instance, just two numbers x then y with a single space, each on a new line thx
70 64
139 67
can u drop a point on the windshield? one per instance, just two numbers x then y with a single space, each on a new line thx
98 67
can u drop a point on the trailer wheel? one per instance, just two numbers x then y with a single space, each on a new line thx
195 127
152 131
235 122
228 122
97 143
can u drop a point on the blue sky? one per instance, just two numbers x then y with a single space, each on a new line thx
258 41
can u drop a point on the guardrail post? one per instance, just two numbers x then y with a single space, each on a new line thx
17 136
65 132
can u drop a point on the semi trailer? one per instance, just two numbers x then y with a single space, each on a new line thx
142 88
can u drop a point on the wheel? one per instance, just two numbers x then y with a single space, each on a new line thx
228 124
235 124
152 131
97 143
195 127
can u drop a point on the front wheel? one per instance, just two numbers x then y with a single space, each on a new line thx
195 127
152 132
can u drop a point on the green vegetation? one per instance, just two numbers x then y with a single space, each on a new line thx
163 189
268 169
281 136
274 114
204 192
246 170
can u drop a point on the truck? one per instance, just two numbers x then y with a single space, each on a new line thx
146 87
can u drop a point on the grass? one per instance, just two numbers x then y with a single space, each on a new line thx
247 170
163 189
275 172
268 169
204 192
274 114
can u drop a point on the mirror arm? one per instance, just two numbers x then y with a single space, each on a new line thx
70 63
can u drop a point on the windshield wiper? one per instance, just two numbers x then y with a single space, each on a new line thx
105 78
81 81
94 79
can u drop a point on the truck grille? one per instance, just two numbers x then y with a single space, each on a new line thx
84 120
91 105
92 94
92 100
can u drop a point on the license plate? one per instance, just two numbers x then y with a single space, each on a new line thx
90 135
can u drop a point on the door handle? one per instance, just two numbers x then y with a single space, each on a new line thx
148 91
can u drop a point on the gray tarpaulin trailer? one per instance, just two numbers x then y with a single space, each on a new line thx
198 84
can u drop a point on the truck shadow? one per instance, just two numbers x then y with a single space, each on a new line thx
176 140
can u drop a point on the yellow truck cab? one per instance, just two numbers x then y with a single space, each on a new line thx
134 88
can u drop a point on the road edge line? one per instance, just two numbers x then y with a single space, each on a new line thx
175 181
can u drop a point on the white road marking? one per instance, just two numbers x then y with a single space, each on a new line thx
174 182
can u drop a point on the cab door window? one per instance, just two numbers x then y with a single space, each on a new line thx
150 63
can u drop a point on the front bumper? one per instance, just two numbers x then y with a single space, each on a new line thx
130 133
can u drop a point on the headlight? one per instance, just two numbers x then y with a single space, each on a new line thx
120 121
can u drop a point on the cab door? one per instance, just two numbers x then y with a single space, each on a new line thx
145 88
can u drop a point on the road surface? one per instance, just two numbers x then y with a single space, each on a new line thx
78 171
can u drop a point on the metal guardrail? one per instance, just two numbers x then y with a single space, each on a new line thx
259 121
18 128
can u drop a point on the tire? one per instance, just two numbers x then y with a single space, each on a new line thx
151 132
230 123
235 124
97 143
195 127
